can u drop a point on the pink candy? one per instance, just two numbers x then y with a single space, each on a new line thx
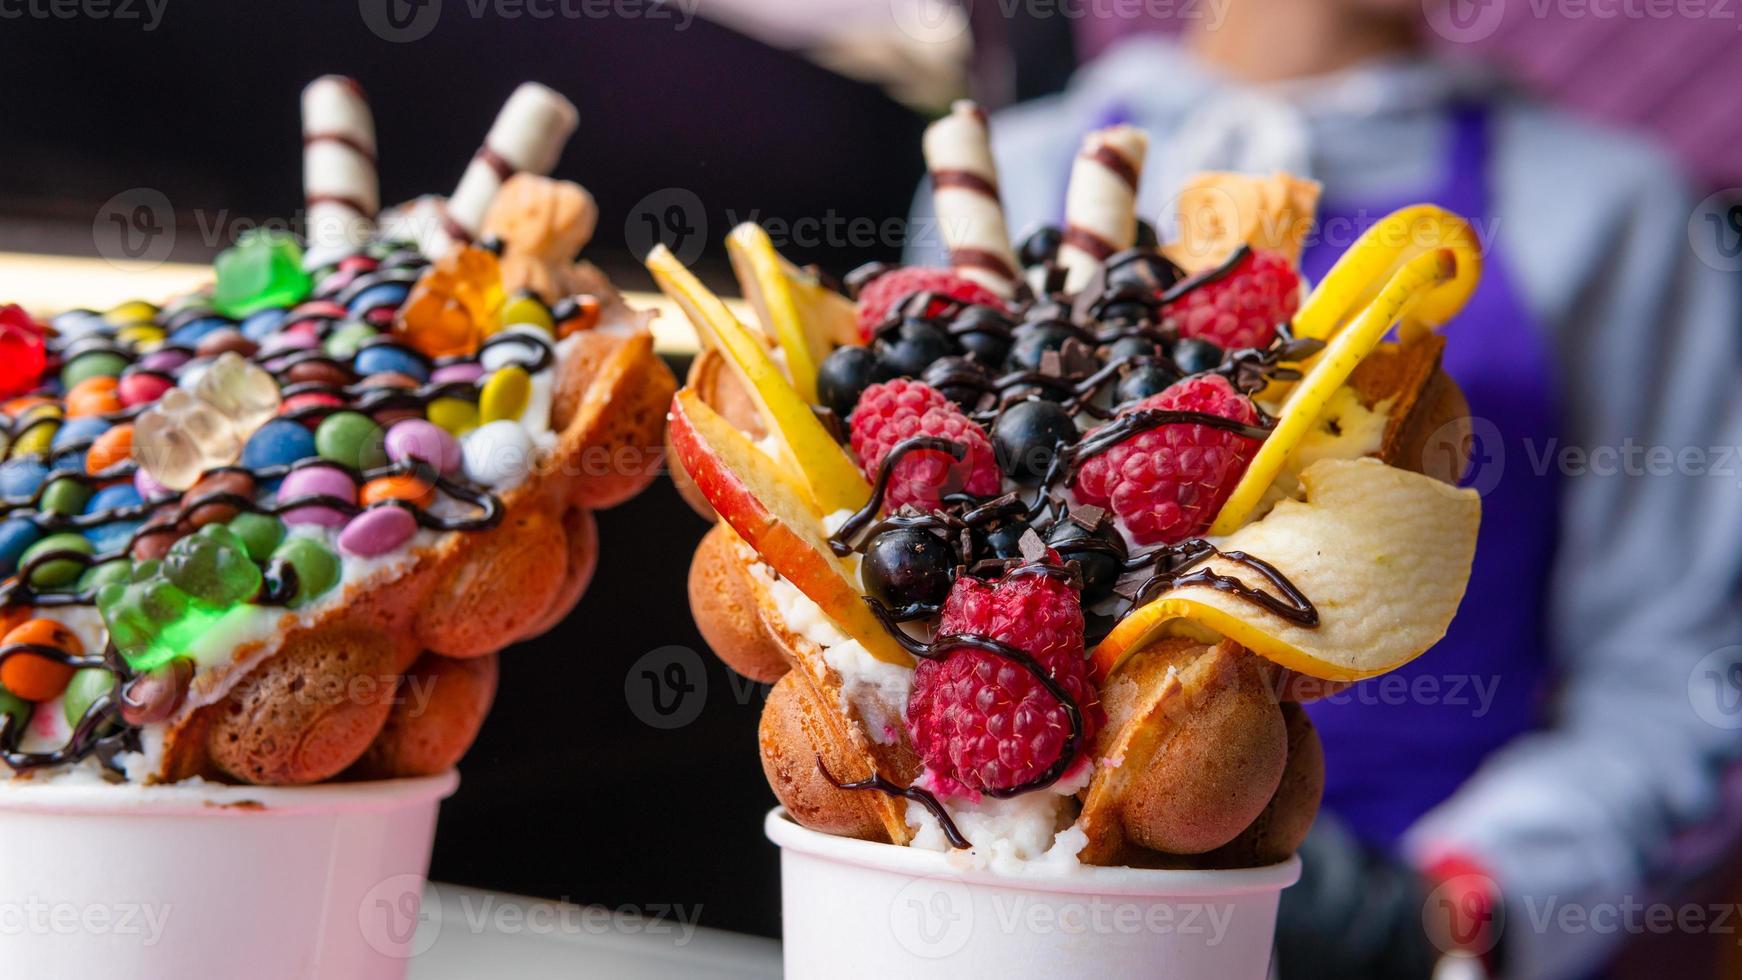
139 388
147 485
377 531
164 360
326 481
417 439
466 372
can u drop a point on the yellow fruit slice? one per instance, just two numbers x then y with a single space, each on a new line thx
1378 255
1382 553
1411 285
768 509
830 476
807 318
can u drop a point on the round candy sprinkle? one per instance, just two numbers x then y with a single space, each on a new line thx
132 311
382 294
259 533
148 486
120 570
317 371
166 361
456 416
236 482
74 324
193 332
257 326
351 439
112 535
110 449
33 677
309 481
19 478
526 309
308 400
344 342
153 696
505 394
279 442
87 685
282 341
417 439
91 364
383 358
60 571
64 496
377 531
228 340
16 536
409 488
142 388
317 569
465 371
140 335
35 439
497 453
93 396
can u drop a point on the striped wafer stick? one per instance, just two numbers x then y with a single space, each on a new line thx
528 135
958 153
340 189
1101 202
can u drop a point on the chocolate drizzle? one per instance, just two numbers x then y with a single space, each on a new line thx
875 781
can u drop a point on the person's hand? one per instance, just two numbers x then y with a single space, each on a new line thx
1356 914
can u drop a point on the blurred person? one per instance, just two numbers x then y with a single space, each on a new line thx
1549 753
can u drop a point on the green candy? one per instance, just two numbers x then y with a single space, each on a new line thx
92 364
263 269
15 708
259 534
317 569
87 685
342 344
65 496
351 439
213 567
100 577
60 572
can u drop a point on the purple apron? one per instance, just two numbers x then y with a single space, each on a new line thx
1397 745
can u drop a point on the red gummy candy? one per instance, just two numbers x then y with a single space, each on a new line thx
22 354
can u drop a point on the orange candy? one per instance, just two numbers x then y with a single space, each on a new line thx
408 488
454 305
112 448
586 317
93 396
17 406
37 678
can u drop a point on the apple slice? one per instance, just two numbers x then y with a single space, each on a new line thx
1415 282
806 318
769 511
1382 553
831 478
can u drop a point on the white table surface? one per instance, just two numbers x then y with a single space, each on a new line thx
466 934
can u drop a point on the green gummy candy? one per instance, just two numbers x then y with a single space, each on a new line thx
212 566
263 269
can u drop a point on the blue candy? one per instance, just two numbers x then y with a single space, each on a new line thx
21 477
278 443
112 535
16 535
381 294
190 333
379 358
81 429
256 326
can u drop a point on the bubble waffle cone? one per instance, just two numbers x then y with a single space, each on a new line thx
323 493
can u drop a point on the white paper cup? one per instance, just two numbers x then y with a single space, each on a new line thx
213 881
854 908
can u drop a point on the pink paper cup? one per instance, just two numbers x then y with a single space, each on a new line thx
205 880
851 907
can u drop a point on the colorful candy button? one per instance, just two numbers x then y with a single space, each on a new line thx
166 361
456 416
344 342
34 677
279 442
311 481
91 364
500 353
409 488
258 325
132 311
317 569
19 478
58 572
417 439
379 358
140 336
497 453
505 394
527 309
64 496
16 536
112 535
86 686
351 439
141 388
377 531
464 372
110 449
93 396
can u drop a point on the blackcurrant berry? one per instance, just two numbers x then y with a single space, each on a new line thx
1033 340
907 565
1146 237
1195 355
912 348
845 374
1027 436
1040 245
1143 381
1126 348
1100 554
983 333
1005 539
960 380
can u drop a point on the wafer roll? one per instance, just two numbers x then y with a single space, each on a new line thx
958 155
341 190
1101 202
528 135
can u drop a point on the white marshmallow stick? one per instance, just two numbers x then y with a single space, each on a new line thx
341 191
958 154
528 135
1101 202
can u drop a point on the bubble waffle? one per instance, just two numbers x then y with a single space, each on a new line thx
276 531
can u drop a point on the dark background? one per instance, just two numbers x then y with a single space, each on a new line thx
568 793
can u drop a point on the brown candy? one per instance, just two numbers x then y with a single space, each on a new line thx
153 697
154 539
318 370
225 341
236 482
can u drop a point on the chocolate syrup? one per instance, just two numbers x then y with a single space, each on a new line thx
876 782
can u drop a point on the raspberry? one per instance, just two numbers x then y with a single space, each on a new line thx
1167 483
983 722
1242 308
885 292
892 411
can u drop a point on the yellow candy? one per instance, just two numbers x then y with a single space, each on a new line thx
526 308
456 415
505 395
36 438
131 312
140 335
